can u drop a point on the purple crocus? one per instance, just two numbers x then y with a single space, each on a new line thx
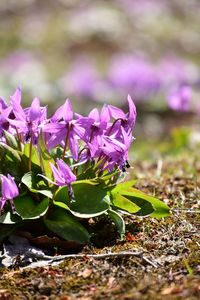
9 189
179 99
62 174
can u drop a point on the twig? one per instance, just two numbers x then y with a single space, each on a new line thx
138 254
187 210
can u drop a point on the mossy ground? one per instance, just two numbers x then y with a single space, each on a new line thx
172 242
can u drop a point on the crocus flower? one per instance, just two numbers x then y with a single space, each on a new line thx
180 98
9 189
62 174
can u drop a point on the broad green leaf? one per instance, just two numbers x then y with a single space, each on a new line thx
10 218
146 208
138 197
119 222
61 204
35 160
11 140
10 152
125 185
66 226
34 154
123 203
45 157
36 185
90 200
28 208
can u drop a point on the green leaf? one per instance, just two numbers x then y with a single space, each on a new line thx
27 208
119 222
45 157
10 152
36 185
125 185
90 200
61 204
10 218
11 140
66 226
158 208
35 160
123 203
123 193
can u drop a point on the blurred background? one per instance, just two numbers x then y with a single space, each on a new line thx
97 52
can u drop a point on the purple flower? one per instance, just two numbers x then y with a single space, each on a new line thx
62 174
64 129
27 120
179 99
127 120
9 189
4 114
81 79
134 75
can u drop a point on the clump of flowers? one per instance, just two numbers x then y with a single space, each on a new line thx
66 169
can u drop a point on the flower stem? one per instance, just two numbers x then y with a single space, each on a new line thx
30 153
66 143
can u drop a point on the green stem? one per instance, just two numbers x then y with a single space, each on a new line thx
30 152
18 139
66 143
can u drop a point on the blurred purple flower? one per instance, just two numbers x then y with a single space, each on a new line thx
81 79
180 98
134 75
9 189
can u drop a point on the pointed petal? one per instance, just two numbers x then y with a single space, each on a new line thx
68 112
116 112
132 110
94 114
34 110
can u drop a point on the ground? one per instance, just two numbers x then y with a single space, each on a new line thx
171 245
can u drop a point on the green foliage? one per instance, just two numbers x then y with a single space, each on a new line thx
90 200
28 208
119 222
66 226
65 210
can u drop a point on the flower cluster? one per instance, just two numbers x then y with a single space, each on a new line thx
103 136
66 168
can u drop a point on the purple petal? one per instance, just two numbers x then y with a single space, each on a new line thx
9 188
16 97
105 114
68 112
34 111
116 112
57 176
132 110
73 145
94 114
